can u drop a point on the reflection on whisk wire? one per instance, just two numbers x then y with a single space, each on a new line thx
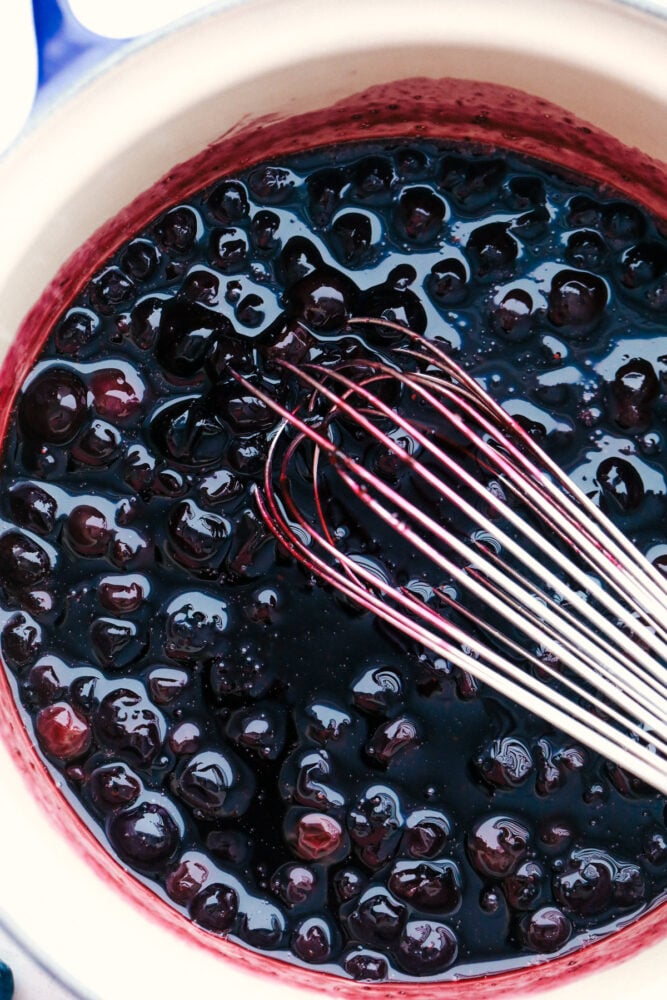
561 613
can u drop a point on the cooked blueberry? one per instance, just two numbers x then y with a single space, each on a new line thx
295 884
117 394
262 925
324 187
271 184
114 786
492 248
195 625
228 202
447 282
496 846
420 213
316 836
577 299
472 183
77 331
259 728
524 888
116 642
98 446
375 824
426 833
110 289
140 259
513 315
622 489
215 907
374 178
584 886
547 930
23 561
377 918
427 885
391 738
395 303
352 237
186 334
53 407
328 722
166 683
378 691
215 784
87 530
146 837
634 389
47 681
348 884
229 249
426 948
622 223
586 249
145 321
62 732
505 763
185 880
195 535
176 231
323 300
313 940
20 640
366 967
263 229
33 508
526 192
128 723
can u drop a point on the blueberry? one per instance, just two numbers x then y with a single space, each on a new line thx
145 321
391 738
643 264
427 885
375 824
634 389
145 837
272 184
497 845
426 948
228 202
53 407
262 925
584 211
546 931
215 907
316 836
110 289
166 684
221 486
313 940
492 249
420 213
196 536
586 249
188 433
260 729
47 681
378 691
117 394
140 259
505 763
426 833
243 411
87 530
328 722
622 223
526 192
377 918
116 642
295 884
585 885
323 300
366 967
186 334
76 332
577 299
448 280
20 641
62 732
176 231
98 446
229 249
621 485
374 178
348 883
393 302
524 888
113 786
472 183
324 187
195 625
128 723
352 237
305 779
185 880
215 784
514 314
23 562
263 229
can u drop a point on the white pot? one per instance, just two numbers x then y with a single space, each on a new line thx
259 62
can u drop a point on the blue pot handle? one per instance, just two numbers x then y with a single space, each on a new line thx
66 50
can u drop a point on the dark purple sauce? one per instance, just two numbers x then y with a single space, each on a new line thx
285 769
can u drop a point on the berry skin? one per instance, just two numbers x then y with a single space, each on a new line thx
546 931
496 846
115 397
128 723
215 784
113 786
427 885
377 918
313 940
146 836
62 732
426 948
184 882
215 907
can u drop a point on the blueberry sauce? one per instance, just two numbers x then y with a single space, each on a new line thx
282 768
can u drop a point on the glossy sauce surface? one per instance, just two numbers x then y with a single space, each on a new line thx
283 768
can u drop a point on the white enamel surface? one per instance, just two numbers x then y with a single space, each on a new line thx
112 140
18 67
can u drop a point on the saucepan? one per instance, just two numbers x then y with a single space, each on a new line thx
579 82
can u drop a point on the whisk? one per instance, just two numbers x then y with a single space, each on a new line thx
541 597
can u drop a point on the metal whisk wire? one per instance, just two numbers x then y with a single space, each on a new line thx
577 587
